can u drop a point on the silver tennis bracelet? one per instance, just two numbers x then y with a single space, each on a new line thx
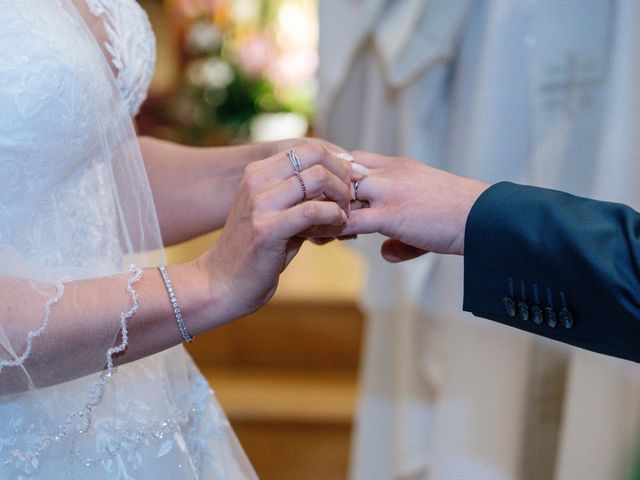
174 303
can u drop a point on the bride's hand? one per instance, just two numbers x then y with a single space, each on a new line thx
314 234
273 148
260 236
420 208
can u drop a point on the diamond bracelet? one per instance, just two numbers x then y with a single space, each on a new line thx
174 303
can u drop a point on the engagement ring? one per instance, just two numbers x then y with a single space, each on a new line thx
295 161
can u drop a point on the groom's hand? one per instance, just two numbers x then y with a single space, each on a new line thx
420 208
395 251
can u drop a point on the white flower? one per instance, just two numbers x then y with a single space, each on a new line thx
203 37
211 73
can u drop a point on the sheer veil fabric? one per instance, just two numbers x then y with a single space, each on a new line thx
75 203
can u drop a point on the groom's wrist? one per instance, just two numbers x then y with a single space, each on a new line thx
473 190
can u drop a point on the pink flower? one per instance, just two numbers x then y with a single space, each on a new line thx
293 67
254 54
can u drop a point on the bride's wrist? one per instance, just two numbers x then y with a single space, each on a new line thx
198 297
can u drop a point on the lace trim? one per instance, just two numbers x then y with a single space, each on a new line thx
80 422
55 298
124 317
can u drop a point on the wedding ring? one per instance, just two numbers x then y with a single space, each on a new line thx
356 184
302 186
295 161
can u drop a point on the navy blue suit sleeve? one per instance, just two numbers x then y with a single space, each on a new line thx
557 265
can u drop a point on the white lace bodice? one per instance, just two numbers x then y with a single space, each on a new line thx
54 194
34 85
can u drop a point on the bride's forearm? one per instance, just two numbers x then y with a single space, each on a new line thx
58 334
193 188
85 322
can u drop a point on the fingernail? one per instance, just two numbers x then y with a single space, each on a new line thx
359 169
345 156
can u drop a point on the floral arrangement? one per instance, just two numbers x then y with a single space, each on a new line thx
242 59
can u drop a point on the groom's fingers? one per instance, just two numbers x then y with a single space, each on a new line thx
371 160
365 220
371 189
395 251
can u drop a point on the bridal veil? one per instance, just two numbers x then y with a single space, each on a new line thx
75 203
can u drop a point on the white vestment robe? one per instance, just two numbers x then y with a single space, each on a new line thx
543 92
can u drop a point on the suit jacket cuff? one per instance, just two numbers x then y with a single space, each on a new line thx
529 248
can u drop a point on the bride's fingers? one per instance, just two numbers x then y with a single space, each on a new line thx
358 171
280 167
296 143
290 223
337 150
311 184
395 251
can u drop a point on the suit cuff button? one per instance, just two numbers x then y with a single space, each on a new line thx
550 316
566 318
536 315
523 310
509 306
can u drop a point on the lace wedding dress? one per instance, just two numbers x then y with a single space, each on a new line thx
75 201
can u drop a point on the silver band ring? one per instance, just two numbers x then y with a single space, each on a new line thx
295 161
302 186
356 184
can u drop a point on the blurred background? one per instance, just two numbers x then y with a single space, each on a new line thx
231 71
234 71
